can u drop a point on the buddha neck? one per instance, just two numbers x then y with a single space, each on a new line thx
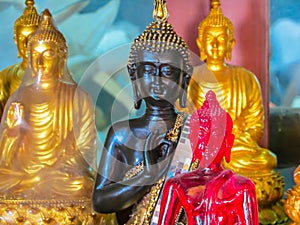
46 82
216 72
157 112
216 65
211 169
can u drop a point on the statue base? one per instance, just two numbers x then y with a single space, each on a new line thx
269 191
54 212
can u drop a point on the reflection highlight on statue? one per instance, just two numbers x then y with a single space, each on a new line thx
238 92
292 201
11 77
48 139
209 194
137 152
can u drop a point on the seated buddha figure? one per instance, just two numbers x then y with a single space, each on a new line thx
292 201
10 77
239 93
237 90
137 152
209 194
48 139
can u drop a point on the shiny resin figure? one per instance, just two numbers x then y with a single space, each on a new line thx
292 202
48 140
238 92
137 152
209 195
11 77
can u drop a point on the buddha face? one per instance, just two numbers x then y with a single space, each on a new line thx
44 58
214 140
159 75
210 143
215 44
21 39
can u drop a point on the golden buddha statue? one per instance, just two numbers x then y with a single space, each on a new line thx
10 77
292 202
48 140
238 91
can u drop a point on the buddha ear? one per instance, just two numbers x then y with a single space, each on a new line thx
184 86
136 95
229 50
201 49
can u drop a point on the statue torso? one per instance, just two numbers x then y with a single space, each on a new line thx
54 144
238 92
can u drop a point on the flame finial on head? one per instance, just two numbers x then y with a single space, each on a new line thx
160 12
29 3
215 3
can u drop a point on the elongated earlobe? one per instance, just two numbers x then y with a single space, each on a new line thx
183 99
185 84
229 50
136 96
137 102
203 56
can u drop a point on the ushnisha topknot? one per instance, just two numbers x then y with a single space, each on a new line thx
48 32
159 36
30 17
215 18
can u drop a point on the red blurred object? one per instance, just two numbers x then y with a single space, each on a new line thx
209 194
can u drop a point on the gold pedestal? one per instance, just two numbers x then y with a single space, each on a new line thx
269 191
51 212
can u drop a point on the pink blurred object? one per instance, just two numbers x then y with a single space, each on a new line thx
209 194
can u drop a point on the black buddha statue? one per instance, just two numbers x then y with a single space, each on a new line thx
137 153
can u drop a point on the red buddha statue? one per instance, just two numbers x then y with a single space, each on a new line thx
209 194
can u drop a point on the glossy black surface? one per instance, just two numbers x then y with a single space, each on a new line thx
159 81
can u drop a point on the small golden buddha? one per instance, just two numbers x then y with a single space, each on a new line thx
10 77
48 140
292 202
238 91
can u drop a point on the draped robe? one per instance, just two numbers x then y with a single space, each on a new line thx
238 92
50 151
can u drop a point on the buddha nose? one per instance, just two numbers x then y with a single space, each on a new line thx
40 59
25 44
157 85
214 43
157 77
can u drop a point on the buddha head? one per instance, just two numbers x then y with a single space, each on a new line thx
47 49
211 133
215 35
24 26
159 65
